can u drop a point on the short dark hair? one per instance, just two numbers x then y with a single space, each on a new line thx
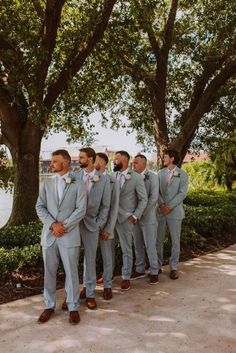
89 152
63 153
171 152
103 156
124 153
141 156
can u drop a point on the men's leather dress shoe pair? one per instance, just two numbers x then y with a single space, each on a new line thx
107 293
174 274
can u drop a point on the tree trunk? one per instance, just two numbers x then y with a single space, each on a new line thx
25 157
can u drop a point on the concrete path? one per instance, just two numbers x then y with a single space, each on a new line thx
195 314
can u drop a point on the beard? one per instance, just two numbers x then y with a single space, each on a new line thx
83 165
117 167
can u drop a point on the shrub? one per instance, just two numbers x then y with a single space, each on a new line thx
20 236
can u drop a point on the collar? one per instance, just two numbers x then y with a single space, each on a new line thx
91 174
144 171
125 172
64 176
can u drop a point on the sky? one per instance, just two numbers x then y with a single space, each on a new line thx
113 140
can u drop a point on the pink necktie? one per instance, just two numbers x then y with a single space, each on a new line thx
87 183
120 180
169 176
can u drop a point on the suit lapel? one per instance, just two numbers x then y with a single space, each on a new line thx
65 190
125 182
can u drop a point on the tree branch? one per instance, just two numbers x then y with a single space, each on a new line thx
139 74
205 102
73 66
169 29
51 23
39 9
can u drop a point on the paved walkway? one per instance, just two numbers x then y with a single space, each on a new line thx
195 314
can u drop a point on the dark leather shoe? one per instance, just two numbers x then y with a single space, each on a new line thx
64 306
91 303
74 317
137 275
154 279
100 281
125 284
107 293
45 316
174 274
83 293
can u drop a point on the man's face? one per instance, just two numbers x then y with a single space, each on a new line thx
118 162
99 164
83 160
139 164
167 160
57 164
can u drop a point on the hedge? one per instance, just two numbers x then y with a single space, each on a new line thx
209 214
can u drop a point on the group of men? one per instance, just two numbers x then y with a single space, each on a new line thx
133 205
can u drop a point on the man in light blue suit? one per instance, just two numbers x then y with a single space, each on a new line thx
98 204
106 239
145 230
133 200
173 183
60 206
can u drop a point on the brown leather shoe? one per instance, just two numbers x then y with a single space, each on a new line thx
83 293
74 317
107 293
125 284
45 316
91 303
100 281
64 305
174 274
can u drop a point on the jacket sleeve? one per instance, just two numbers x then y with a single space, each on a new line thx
114 207
41 207
105 204
142 197
80 208
153 195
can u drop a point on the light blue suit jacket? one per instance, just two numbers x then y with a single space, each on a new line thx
173 193
114 206
151 183
98 202
133 197
70 210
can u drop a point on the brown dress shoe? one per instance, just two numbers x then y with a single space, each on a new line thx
83 293
125 284
64 306
100 281
74 317
91 303
45 316
107 293
174 274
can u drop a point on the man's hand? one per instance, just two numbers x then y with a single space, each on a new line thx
165 209
132 219
104 235
58 229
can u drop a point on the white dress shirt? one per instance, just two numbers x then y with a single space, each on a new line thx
61 183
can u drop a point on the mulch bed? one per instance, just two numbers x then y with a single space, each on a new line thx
29 281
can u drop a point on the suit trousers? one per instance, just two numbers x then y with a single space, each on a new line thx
106 251
174 226
70 260
145 235
125 234
90 242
